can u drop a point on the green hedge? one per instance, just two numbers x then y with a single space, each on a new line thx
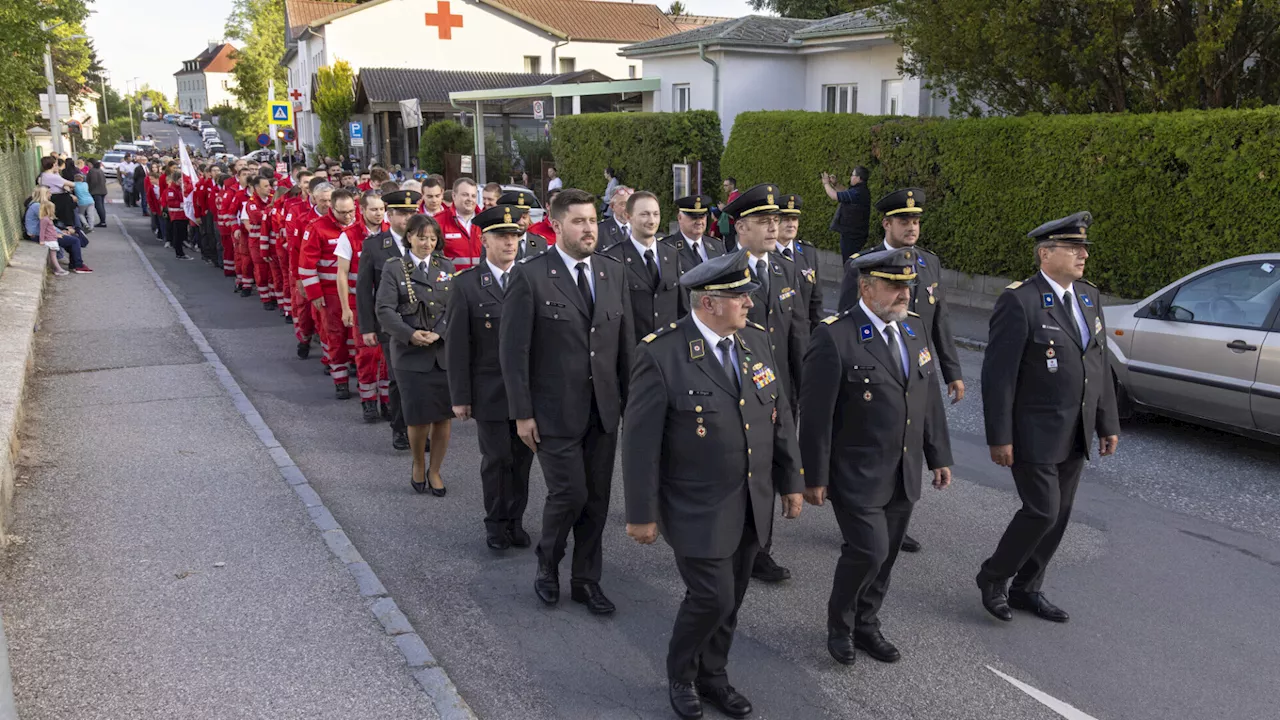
1169 192
641 147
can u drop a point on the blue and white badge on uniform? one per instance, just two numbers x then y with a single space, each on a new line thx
865 333
907 329
1085 299
1047 299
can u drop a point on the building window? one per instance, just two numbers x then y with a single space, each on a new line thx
567 65
680 97
840 98
891 103
631 71
532 64
224 85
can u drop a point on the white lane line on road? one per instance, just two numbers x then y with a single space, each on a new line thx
1064 709
424 668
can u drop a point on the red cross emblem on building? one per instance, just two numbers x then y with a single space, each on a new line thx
443 20
295 94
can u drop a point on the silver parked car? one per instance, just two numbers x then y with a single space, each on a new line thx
1205 348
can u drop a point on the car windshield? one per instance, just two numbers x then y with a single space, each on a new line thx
113 157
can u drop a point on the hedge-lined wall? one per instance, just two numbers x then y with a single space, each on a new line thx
641 147
1169 192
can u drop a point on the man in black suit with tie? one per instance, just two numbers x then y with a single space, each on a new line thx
374 253
613 230
653 271
803 254
776 306
871 410
475 377
1046 390
566 346
691 240
704 396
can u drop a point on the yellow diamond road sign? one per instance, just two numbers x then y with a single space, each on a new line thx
281 112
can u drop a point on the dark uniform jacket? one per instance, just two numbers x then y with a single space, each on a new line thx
865 429
532 244
1042 392
475 319
374 253
694 450
782 314
651 307
401 316
715 248
554 354
805 257
608 233
928 300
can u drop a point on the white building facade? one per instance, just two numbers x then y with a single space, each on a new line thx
846 64
207 81
514 36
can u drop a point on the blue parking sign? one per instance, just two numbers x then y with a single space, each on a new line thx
357 131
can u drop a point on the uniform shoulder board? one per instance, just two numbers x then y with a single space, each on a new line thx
459 272
830 319
649 338
614 259
755 325
1013 285
913 314
1086 282
855 256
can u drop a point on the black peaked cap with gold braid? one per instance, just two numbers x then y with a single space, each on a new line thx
905 202
728 273
761 199
1071 229
499 218
898 264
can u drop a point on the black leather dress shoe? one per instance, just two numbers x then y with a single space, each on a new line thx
498 542
369 409
994 599
399 440
304 350
727 700
684 700
547 584
874 644
593 597
910 544
518 537
1035 602
765 569
840 645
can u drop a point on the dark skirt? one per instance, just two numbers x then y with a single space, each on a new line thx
424 396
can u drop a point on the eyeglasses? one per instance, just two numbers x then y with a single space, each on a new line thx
727 296
1073 249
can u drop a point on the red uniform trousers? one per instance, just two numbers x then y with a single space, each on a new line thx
228 252
335 338
244 262
261 273
280 272
371 367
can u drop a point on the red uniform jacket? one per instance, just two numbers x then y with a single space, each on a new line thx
303 215
255 212
317 265
356 235
463 248
543 228
153 195
173 200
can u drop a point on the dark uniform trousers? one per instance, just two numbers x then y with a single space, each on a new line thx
504 474
705 623
1037 351
374 253
579 475
872 536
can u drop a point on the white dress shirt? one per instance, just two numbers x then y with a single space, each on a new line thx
699 245
573 269
1081 326
713 341
642 249
756 263
880 325
500 276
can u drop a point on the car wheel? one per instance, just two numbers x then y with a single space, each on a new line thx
1124 406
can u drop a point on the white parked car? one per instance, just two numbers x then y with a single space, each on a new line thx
111 163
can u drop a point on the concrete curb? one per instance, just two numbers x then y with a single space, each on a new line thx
432 678
7 709
21 292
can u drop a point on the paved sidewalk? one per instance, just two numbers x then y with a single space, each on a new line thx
167 570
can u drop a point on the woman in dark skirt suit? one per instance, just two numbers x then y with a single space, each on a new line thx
412 298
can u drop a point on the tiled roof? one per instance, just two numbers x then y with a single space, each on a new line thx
382 85
847 24
593 20
754 30
218 58
298 14
689 22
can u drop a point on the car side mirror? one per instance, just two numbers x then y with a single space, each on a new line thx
1181 314
1158 309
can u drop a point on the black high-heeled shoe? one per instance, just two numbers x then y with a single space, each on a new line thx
440 491
418 487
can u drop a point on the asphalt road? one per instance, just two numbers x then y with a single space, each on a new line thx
1170 572
166 135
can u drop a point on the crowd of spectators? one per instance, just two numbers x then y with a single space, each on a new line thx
57 213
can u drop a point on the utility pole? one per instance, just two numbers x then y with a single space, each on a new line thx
106 118
55 123
271 95
129 103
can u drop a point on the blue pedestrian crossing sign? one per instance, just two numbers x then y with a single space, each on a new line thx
281 113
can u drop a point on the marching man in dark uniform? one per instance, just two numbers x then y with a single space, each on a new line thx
903 210
653 272
691 241
871 408
475 377
566 346
708 441
1046 388
803 254
374 253
530 243
776 306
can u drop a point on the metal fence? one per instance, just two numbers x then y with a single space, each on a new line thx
18 170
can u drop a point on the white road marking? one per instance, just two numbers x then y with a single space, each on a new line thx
1065 710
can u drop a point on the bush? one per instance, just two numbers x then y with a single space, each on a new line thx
1169 192
445 136
641 147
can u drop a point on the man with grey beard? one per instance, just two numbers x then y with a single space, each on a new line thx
862 445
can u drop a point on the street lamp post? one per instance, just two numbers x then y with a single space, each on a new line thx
55 123
129 103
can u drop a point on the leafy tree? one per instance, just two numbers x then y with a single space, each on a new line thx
677 9
334 101
22 45
810 9
1080 56
110 133
259 25
445 136
159 103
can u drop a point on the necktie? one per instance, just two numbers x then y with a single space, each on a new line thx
652 268
584 287
423 266
761 271
697 254
726 361
502 281
1069 304
891 339
786 252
